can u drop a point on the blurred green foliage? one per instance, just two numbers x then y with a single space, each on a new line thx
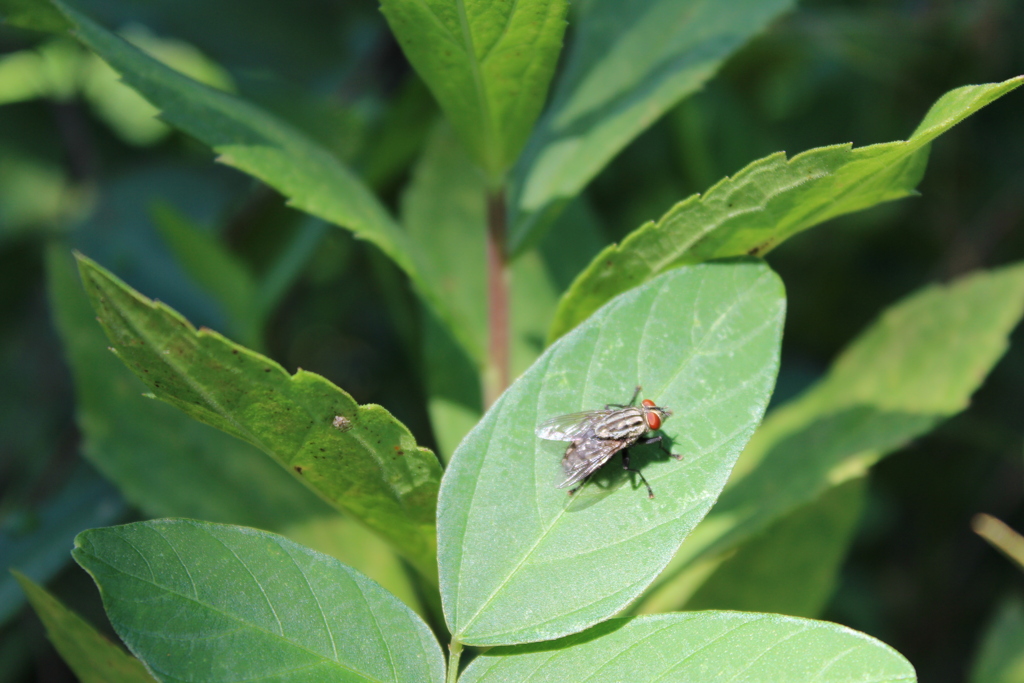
83 164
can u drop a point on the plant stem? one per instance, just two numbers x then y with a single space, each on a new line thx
496 375
454 654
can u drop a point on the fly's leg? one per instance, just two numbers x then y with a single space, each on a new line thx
636 393
574 490
625 466
657 440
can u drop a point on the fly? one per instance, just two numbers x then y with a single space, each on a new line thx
596 435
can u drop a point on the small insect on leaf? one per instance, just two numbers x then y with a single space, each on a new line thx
594 436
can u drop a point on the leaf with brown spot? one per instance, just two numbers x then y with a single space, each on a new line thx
251 397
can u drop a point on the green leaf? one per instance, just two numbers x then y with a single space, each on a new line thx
257 143
700 646
792 567
209 602
163 461
703 341
359 458
39 548
93 658
627 65
1000 658
487 63
169 465
353 544
768 202
916 365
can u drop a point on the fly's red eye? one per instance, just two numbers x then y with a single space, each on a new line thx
647 402
653 419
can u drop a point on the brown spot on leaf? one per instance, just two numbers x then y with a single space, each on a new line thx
762 248
298 469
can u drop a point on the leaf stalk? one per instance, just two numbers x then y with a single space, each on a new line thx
454 654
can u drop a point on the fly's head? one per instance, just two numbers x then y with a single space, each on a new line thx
654 415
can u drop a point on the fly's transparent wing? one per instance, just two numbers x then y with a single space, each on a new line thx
571 426
583 457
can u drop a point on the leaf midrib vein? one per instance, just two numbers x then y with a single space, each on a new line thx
560 513
550 526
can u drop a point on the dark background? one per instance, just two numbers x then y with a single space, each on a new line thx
831 72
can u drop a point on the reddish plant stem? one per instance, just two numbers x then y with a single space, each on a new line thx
496 376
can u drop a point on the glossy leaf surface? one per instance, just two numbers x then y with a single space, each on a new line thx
737 647
209 602
92 657
359 458
916 365
768 202
487 63
627 65
521 560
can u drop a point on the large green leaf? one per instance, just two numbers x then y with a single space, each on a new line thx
209 602
359 458
768 202
488 64
917 365
259 144
250 140
520 560
169 465
627 65
164 462
699 646
791 568
93 658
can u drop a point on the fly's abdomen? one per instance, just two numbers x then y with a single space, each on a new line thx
625 425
